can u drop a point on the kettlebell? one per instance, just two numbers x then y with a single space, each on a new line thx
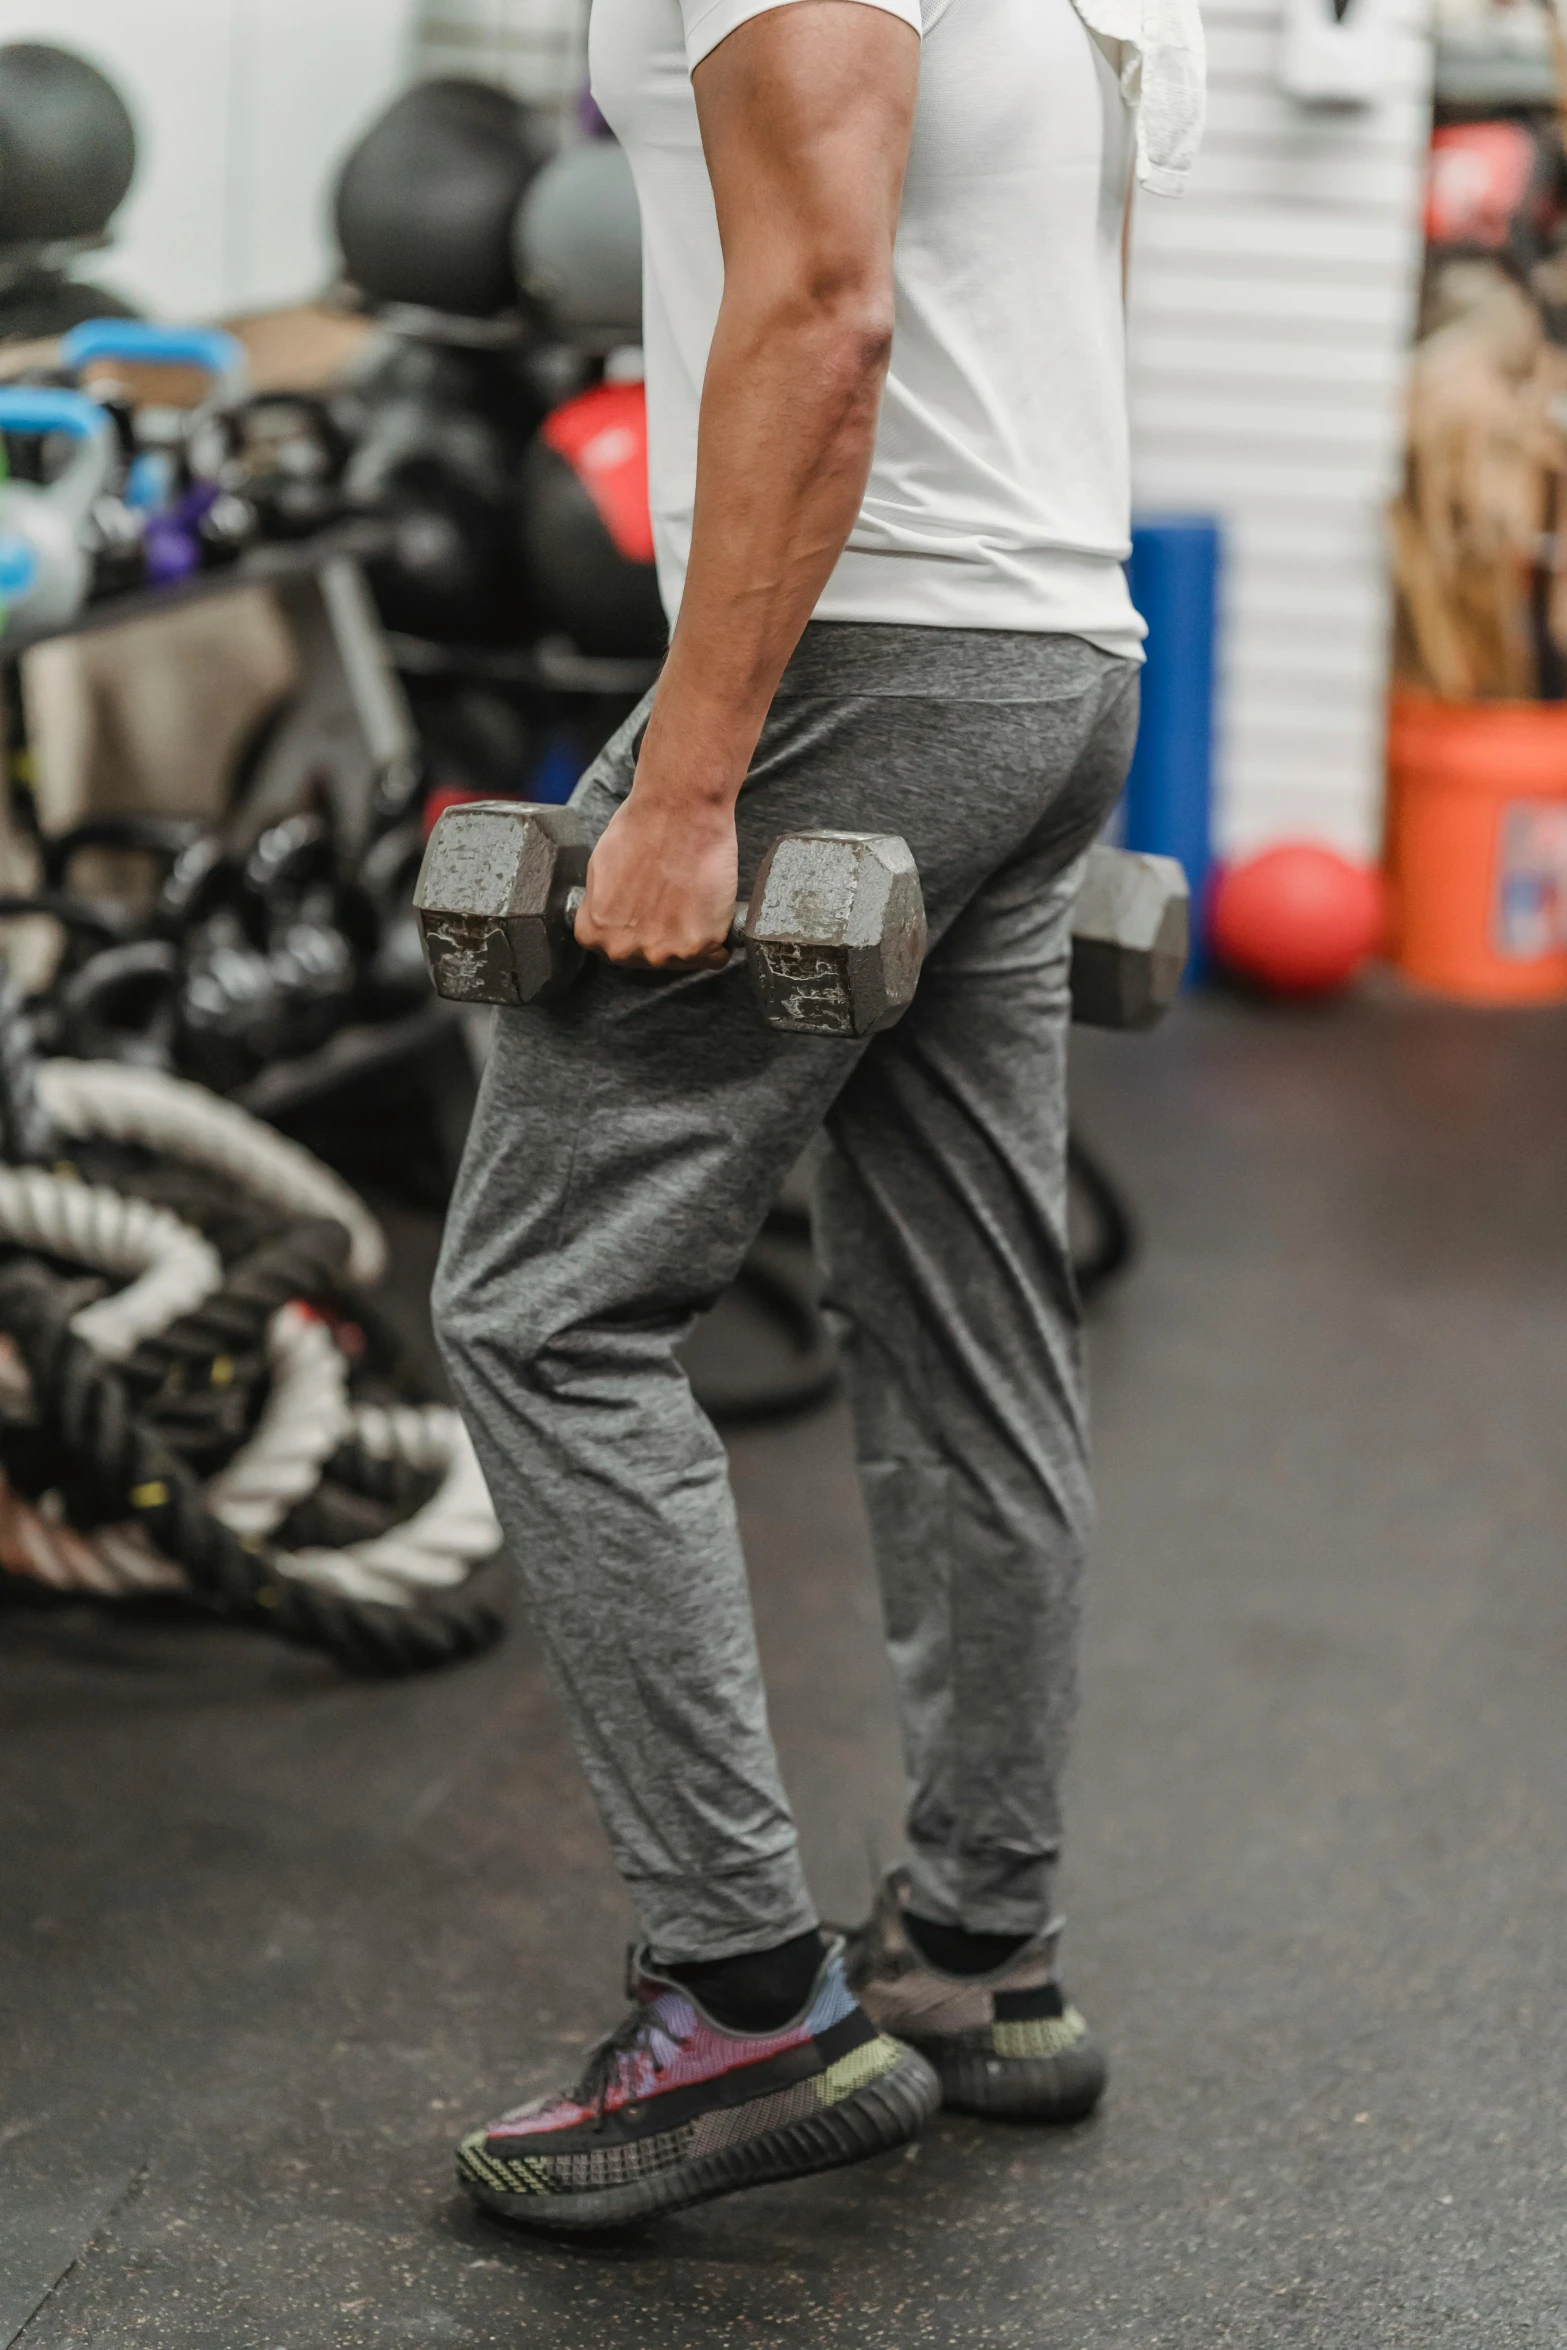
142 343
291 454
443 436
45 565
176 515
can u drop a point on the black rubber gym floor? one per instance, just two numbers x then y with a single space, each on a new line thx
269 1939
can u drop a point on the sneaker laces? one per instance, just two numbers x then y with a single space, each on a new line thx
859 1950
865 1945
636 2034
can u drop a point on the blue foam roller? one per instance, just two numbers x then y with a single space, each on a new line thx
1174 578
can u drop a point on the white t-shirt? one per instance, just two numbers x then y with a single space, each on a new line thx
998 496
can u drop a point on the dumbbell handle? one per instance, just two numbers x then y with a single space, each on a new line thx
1097 1000
502 883
734 942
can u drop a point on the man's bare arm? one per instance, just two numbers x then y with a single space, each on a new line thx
806 116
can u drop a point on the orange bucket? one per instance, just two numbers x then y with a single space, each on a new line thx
1477 846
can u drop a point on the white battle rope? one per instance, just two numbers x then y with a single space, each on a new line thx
170 1268
432 1550
304 1420
440 1544
122 1104
35 1542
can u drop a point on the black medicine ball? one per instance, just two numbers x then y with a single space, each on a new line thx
35 307
67 146
425 202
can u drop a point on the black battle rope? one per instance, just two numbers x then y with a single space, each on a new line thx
786 1295
84 1404
382 1478
334 1517
306 1261
199 1384
1115 1235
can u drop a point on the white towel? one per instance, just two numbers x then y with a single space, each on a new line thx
1157 48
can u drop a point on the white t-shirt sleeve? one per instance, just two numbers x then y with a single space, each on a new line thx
707 22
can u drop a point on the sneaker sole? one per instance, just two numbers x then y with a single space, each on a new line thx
1062 2088
886 2113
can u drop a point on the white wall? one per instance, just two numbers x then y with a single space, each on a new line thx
1271 309
242 109
536 47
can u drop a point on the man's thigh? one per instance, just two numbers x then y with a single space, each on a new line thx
943 1198
635 1134
627 1141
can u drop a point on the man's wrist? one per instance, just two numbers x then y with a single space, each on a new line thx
691 790
694 804
694 755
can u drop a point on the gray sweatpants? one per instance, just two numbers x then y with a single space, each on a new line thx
626 1147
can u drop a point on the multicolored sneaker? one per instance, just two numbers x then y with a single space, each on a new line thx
1008 2042
673 2109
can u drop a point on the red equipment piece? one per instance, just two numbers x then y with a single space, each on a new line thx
1492 187
587 535
602 434
1298 920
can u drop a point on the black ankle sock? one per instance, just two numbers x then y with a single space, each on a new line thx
760 1991
958 1952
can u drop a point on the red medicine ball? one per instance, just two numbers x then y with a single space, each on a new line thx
1298 920
587 536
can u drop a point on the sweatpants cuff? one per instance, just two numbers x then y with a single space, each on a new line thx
688 1919
985 1893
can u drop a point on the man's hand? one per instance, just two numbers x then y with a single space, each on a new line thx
806 115
661 885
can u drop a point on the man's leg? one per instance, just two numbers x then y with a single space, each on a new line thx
626 1146
942 1216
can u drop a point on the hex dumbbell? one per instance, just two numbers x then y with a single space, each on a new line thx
834 932
1130 937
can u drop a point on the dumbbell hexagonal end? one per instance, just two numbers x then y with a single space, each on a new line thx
491 898
835 932
1130 938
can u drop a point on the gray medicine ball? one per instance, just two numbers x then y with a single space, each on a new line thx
579 245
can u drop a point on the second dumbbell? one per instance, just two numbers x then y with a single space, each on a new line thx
834 933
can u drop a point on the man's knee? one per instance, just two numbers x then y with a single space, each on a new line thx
545 1321
476 1306
456 1312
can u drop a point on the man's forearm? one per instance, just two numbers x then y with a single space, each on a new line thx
789 409
806 114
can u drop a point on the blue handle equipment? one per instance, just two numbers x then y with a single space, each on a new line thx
170 346
36 408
